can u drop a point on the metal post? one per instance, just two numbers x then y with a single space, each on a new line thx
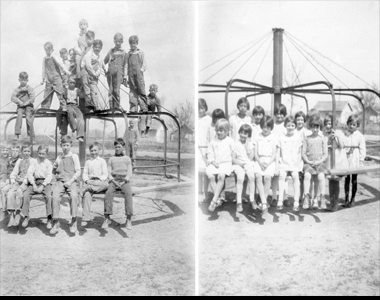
277 64
82 145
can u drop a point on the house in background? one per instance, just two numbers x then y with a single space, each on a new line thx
343 109
187 134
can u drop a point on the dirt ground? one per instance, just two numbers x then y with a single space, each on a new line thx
156 257
286 253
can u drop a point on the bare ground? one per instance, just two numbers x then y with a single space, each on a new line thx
287 253
155 258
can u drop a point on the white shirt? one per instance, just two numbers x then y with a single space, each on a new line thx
95 167
40 169
242 151
220 151
235 124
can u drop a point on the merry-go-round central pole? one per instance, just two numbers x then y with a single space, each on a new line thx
277 64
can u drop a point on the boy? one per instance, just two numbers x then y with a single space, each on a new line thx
92 66
83 25
153 102
67 171
119 175
74 114
15 155
18 181
51 73
133 141
90 37
23 96
116 59
95 178
3 164
39 176
62 120
136 66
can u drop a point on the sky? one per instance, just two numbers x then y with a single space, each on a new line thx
346 32
165 31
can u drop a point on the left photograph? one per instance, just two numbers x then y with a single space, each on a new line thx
97 148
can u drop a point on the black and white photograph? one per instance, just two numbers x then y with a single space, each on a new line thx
97 148
288 148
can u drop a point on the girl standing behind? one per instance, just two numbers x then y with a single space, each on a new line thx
240 118
219 160
340 159
290 146
215 116
356 152
314 154
204 121
265 156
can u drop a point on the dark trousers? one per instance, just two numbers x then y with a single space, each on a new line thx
62 123
128 201
47 192
76 119
354 185
334 190
114 81
137 94
53 84
28 111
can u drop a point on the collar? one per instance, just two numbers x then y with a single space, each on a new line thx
114 49
96 158
67 155
25 87
133 52
122 154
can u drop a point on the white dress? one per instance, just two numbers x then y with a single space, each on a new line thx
290 153
356 155
265 146
220 151
242 151
235 124
204 122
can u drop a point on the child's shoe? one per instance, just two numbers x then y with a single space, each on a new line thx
323 202
315 203
212 206
306 200
286 202
352 202
239 207
280 206
73 227
17 219
254 205
11 220
25 222
129 223
106 222
49 224
264 208
296 206
54 229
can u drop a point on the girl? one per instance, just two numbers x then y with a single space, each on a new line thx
265 156
204 121
257 113
19 183
219 160
356 152
340 159
240 118
215 116
290 146
242 156
314 154
300 119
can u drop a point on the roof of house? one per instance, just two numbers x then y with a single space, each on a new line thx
186 129
327 105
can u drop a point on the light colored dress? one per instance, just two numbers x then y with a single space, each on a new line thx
220 151
256 130
314 151
290 153
279 129
354 144
204 122
265 146
242 151
235 124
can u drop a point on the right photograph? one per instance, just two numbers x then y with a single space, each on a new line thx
288 134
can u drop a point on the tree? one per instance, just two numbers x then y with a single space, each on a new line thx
185 114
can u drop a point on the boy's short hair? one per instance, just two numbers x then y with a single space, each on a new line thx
328 118
243 100
48 45
63 51
83 21
153 87
245 128
202 103
66 139
267 121
94 144
222 123
43 147
290 119
90 34
217 114
15 145
258 110
133 38
315 120
97 42
26 145
280 109
119 141
118 35
300 114
23 75
353 118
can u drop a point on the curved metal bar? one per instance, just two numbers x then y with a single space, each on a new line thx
297 95
229 85
6 126
305 84
165 140
110 120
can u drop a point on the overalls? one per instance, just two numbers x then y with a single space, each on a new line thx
136 82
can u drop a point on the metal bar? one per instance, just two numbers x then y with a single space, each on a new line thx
297 95
277 64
